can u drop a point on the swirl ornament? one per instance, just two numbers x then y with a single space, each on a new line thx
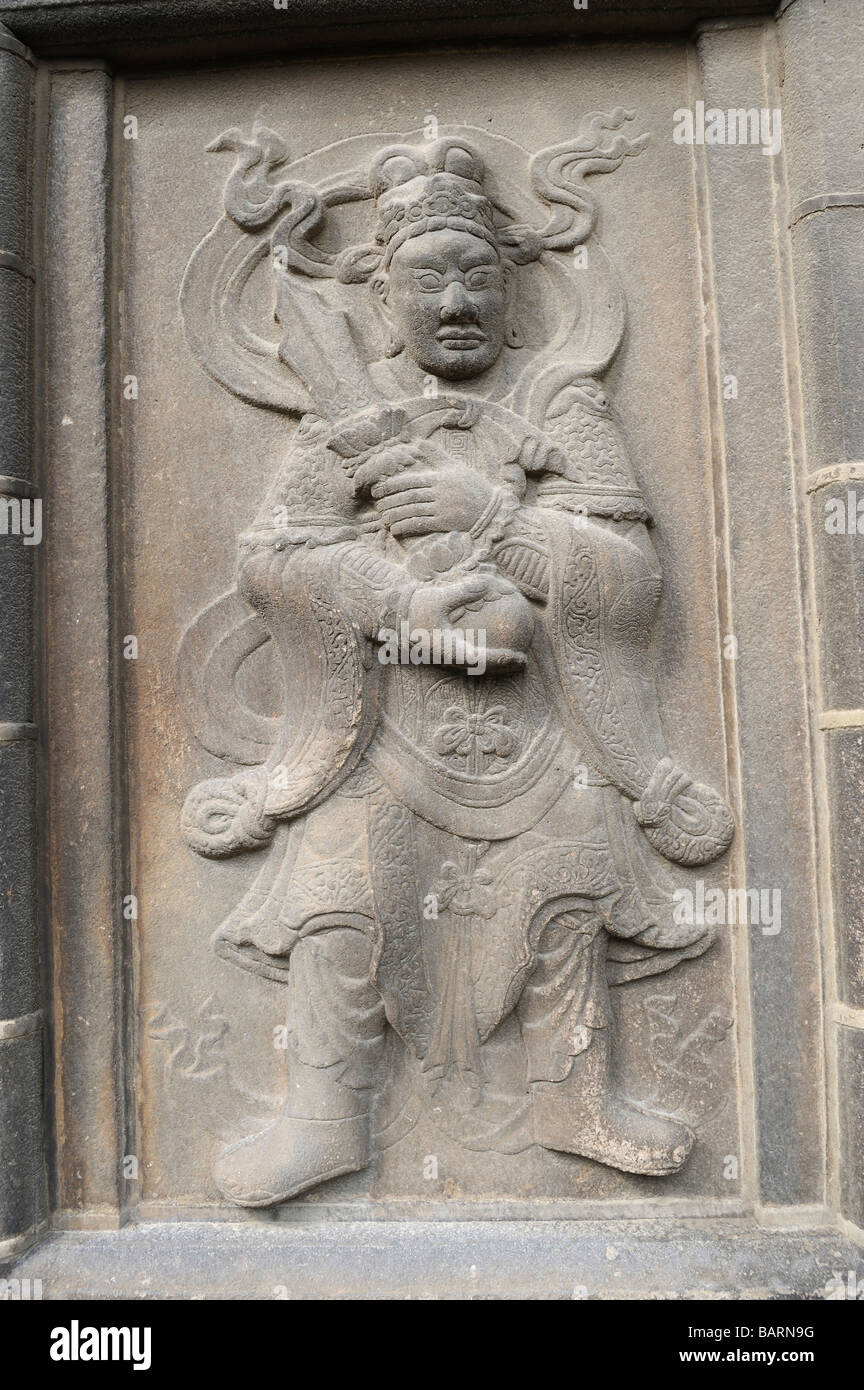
687 821
225 815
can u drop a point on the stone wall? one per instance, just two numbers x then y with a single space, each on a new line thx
640 437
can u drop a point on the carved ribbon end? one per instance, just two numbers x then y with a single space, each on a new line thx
225 815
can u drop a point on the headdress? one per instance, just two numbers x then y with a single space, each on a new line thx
275 214
425 189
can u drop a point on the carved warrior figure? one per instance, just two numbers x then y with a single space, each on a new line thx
441 848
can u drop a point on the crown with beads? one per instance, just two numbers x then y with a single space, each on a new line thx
422 189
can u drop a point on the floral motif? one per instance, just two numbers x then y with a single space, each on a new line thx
468 891
472 734
441 554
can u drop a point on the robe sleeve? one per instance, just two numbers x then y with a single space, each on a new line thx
322 590
604 585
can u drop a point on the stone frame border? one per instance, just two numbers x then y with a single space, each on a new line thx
156 32
147 31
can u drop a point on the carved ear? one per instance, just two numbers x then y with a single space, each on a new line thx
380 288
394 343
515 337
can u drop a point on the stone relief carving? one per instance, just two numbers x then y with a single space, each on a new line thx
686 1079
196 1061
464 803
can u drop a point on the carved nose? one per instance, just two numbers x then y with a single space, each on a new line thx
456 305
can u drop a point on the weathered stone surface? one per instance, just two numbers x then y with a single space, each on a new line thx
18 948
16 76
851 1078
466 1161
337 363
844 750
84 844
15 308
830 299
16 633
443 1260
836 513
22 1167
22 1181
755 463
820 47
178 28
821 56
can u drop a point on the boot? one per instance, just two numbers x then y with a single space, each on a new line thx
322 1133
583 1115
338 1036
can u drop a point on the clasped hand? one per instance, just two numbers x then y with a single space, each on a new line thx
419 491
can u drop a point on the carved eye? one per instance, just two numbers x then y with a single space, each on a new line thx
477 279
429 280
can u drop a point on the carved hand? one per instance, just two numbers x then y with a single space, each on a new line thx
390 459
437 606
686 821
418 503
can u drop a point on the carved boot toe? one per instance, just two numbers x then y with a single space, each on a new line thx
612 1131
289 1157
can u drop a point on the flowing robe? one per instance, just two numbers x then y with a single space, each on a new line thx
468 824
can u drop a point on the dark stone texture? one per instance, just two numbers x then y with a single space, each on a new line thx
444 1260
16 82
844 751
765 617
739 300
823 93
22 1197
851 1078
21 1161
170 29
829 296
83 821
15 301
16 637
823 75
839 574
19 993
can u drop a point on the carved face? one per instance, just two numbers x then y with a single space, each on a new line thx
446 296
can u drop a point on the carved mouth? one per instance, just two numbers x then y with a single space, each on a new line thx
460 338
